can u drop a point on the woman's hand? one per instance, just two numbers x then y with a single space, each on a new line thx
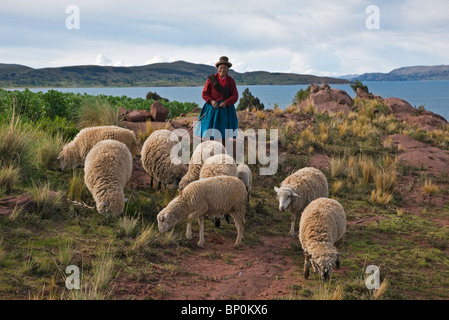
223 105
214 104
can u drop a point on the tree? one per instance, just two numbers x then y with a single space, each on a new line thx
359 84
154 96
301 95
248 101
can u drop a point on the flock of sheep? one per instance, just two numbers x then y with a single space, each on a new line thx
211 186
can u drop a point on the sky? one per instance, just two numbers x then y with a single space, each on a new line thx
325 38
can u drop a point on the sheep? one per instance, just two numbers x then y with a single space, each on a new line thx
107 170
74 153
212 196
217 165
156 159
244 173
321 231
298 190
204 150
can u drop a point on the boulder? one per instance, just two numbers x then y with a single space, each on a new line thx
327 99
138 116
399 106
403 111
158 112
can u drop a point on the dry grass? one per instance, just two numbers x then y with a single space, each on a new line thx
430 188
9 177
98 113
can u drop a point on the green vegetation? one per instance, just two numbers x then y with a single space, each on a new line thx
179 73
364 175
359 85
248 101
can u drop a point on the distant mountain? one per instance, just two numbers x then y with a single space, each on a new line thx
440 72
179 73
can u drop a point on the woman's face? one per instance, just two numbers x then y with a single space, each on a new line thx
223 70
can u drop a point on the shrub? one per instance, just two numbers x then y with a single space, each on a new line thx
301 95
359 84
17 143
97 112
248 101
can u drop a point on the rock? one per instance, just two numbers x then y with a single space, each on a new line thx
421 155
327 99
123 112
366 95
403 111
158 112
138 116
399 106
8 204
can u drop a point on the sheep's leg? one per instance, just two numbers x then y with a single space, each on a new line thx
239 221
189 228
201 237
292 226
306 265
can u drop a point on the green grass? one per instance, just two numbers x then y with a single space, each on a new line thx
64 229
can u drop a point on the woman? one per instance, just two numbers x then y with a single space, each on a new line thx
218 113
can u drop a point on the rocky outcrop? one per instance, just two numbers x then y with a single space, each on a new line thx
158 112
327 99
403 111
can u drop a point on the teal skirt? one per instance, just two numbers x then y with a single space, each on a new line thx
219 119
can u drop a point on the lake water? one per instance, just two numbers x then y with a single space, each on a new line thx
433 95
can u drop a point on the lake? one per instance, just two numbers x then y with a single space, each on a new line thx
433 95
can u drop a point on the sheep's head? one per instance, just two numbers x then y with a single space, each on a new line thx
62 159
164 220
285 196
112 206
324 261
176 178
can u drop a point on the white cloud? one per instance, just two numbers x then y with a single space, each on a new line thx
105 61
323 38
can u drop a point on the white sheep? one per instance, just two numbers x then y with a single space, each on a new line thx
298 190
245 174
321 231
107 170
156 158
218 165
202 152
212 196
74 153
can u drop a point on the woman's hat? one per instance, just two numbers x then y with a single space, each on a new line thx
223 60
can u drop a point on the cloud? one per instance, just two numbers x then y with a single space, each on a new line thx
105 61
323 38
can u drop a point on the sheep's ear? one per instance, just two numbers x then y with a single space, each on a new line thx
294 194
276 189
106 204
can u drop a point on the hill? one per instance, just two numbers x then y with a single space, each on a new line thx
179 73
440 72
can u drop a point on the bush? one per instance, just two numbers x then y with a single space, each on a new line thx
301 95
359 84
154 96
248 101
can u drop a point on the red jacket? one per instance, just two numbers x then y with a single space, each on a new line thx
210 93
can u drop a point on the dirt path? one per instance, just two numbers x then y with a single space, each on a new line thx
217 271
